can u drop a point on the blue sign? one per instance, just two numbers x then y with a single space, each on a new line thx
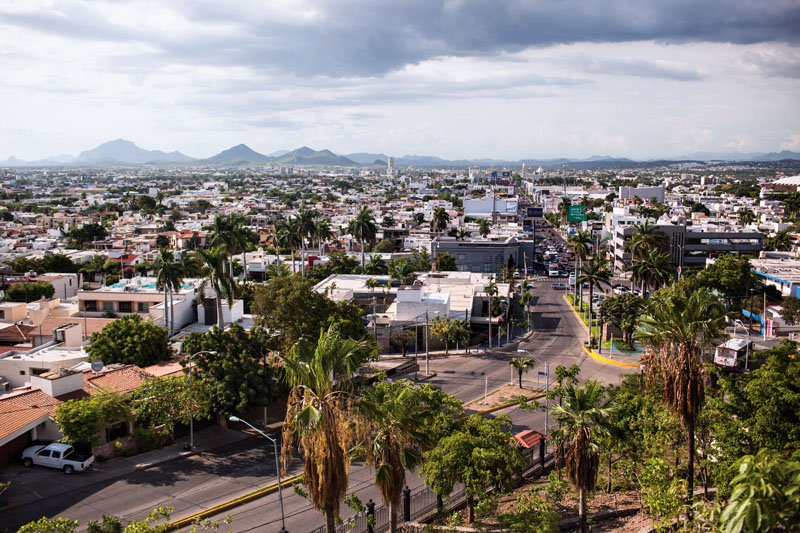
535 212
542 373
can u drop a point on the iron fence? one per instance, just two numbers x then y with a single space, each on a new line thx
414 505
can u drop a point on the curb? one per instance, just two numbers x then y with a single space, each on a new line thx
426 378
580 320
182 455
597 357
502 406
250 496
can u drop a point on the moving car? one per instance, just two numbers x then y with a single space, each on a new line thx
57 455
559 286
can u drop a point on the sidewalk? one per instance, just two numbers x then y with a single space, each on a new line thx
37 483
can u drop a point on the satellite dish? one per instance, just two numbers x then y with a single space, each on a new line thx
97 365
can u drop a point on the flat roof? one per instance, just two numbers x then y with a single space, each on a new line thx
785 270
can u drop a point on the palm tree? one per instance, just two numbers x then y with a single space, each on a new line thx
492 292
580 243
363 229
216 274
168 278
191 265
402 271
593 273
418 219
376 266
781 241
393 438
563 210
652 270
305 228
645 237
462 234
440 219
291 234
318 414
791 204
676 330
484 227
322 232
746 217
583 417
521 365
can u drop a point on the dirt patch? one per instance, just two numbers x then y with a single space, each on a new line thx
503 395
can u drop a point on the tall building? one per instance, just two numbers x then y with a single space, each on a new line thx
390 166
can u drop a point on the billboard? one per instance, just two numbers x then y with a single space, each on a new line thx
576 213
535 212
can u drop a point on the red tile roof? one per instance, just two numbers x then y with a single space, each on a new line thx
123 380
528 438
16 416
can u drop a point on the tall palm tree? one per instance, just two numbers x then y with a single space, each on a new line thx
645 237
676 330
440 219
652 269
291 234
229 232
318 414
462 234
521 365
376 266
594 272
322 232
782 241
402 271
484 227
393 437
580 243
563 210
169 276
746 217
363 229
791 204
305 228
583 417
217 275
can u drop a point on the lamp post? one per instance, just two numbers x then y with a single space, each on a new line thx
277 464
191 398
546 388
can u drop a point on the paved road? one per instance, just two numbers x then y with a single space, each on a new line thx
196 483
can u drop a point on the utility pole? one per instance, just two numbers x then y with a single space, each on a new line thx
427 373
374 320
764 315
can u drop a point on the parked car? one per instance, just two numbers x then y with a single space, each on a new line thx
559 286
57 455
621 289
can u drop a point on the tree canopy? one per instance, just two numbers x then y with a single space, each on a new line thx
130 340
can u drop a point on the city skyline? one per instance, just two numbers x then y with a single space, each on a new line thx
451 79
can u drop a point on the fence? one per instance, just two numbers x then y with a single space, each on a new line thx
417 504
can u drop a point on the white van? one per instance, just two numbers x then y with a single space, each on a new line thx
553 271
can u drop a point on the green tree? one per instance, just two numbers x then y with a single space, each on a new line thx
583 417
392 436
160 403
484 227
439 219
766 495
421 260
293 307
449 331
387 221
131 341
238 378
623 311
652 269
219 277
169 276
401 270
363 229
384 246
697 207
376 266
782 241
678 326
729 274
791 310
645 237
521 365
446 262
30 291
746 217
580 243
479 454
594 272
50 525
319 412
79 237
80 420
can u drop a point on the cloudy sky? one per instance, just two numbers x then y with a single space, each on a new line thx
454 78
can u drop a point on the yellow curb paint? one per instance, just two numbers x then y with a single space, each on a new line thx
597 357
426 378
232 503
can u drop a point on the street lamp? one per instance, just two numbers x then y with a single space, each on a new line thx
277 464
546 388
191 398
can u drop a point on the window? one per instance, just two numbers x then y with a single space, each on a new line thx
108 306
2 314
142 307
461 257
90 305
44 453
125 307
21 372
56 455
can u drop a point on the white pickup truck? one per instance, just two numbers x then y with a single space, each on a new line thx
57 455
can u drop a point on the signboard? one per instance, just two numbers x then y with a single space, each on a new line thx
576 213
535 212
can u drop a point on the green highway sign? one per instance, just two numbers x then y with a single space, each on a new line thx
576 213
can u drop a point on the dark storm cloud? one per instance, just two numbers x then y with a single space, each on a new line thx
370 38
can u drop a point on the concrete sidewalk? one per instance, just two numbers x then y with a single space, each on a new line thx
37 483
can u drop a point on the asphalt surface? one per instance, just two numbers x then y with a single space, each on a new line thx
195 483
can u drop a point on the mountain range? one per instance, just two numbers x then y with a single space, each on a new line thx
124 153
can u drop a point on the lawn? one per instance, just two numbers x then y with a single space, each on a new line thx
571 299
619 344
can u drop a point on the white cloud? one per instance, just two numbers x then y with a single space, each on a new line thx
792 143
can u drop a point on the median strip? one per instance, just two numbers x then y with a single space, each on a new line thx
250 496
597 357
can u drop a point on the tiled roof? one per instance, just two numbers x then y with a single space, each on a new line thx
123 380
528 438
167 368
16 333
16 416
34 399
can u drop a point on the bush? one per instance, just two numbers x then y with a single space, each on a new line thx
30 291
